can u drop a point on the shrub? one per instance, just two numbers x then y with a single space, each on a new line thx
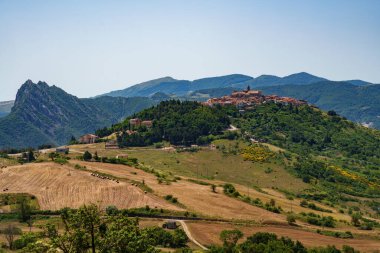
112 210
291 219
87 156
230 190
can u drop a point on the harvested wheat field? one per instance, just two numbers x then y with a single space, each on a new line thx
58 186
196 198
208 233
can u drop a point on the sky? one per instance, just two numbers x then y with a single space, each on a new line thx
92 47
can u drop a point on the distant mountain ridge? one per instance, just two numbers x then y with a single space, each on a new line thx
171 86
5 107
44 114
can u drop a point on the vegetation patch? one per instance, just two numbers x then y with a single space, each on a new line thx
313 206
257 153
231 191
315 219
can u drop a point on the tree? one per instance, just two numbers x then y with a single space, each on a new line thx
355 219
81 230
112 210
24 209
90 216
38 247
123 235
179 239
291 219
9 233
87 156
30 156
52 155
230 237
96 157
73 140
25 239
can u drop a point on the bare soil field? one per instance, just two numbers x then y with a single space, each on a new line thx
196 198
208 233
200 199
57 186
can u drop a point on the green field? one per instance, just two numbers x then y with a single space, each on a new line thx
212 164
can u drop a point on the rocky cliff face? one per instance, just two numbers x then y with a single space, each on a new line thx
47 114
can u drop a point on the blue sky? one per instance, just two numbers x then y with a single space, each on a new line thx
92 47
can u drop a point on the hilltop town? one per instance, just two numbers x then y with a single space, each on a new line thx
247 98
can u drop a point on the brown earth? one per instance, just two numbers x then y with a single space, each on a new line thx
196 198
57 186
208 233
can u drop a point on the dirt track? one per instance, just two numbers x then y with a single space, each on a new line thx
208 233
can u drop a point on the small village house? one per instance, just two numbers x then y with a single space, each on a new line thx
136 122
88 138
62 150
122 156
111 144
170 225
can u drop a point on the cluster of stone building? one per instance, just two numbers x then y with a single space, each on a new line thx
247 98
136 122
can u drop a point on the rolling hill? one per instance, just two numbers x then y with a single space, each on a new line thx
44 114
357 103
332 155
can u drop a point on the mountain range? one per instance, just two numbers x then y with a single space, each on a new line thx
172 86
43 114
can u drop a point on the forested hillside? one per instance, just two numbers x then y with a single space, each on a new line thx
344 156
181 123
357 103
323 146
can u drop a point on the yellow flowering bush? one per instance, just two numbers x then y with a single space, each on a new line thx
353 176
257 154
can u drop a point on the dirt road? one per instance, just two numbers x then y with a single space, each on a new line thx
191 238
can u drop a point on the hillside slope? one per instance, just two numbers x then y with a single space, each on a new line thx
357 103
46 114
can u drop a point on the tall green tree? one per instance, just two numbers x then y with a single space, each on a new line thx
24 209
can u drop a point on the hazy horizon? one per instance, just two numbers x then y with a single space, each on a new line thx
91 47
